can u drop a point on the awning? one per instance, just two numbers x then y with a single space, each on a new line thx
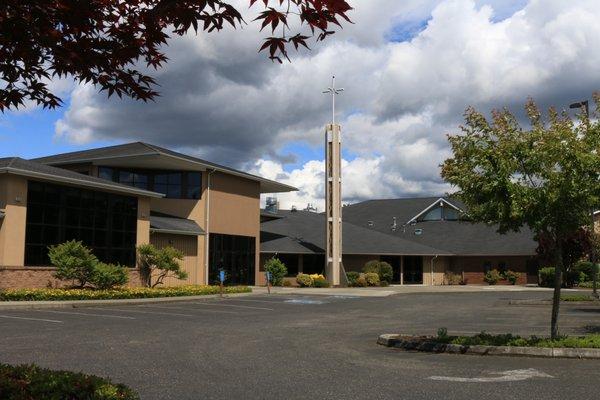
174 225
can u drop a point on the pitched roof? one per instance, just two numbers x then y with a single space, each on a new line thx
456 237
140 149
169 224
32 169
303 232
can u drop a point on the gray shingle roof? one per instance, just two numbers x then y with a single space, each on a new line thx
456 237
144 149
367 230
169 224
304 232
32 169
1 214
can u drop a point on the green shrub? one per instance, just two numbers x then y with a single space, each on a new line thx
486 339
511 276
120 293
287 283
582 271
159 264
492 277
372 278
26 382
107 276
320 282
277 269
452 278
304 280
546 277
352 277
361 281
73 261
383 284
381 268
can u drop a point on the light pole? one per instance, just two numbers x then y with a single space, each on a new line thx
585 106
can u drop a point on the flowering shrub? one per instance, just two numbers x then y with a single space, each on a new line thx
361 281
304 280
121 293
492 277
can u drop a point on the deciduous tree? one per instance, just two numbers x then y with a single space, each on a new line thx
105 41
546 177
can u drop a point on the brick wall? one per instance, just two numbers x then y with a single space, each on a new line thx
473 270
41 277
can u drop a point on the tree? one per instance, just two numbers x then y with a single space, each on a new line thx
159 264
545 177
73 261
104 41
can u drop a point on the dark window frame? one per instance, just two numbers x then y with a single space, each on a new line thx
105 222
185 189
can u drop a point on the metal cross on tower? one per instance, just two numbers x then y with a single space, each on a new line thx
334 92
333 196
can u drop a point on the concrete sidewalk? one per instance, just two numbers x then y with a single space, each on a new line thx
404 289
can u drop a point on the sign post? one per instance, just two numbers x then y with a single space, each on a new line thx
268 274
221 280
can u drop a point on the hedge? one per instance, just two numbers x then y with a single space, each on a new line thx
26 382
121 293
486 339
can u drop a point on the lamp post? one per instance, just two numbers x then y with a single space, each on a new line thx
585 107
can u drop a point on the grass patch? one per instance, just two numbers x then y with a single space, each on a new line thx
111 294
26 382
486 339
576 297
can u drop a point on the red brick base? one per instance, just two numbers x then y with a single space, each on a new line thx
42 277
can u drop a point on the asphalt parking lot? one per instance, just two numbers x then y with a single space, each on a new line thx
298 347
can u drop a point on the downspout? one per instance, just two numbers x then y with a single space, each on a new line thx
432 260
207 227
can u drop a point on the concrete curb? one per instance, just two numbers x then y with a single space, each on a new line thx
402 342
549 302
39 305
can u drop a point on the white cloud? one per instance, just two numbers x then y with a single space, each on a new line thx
223 101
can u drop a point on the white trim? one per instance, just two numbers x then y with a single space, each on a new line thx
80 182
441 199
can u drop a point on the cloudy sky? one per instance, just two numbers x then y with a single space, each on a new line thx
409 69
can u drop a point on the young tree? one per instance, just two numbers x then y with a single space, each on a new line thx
73 261
102 41
546 177
158 264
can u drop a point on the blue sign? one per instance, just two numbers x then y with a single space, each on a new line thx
268 276
222 276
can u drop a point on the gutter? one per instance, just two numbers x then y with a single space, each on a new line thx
432 261
207 227
175 232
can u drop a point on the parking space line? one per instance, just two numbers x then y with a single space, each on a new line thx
233 305
144 312
86 314
184 308
259 301
32 319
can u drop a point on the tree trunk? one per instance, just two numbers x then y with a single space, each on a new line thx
558 269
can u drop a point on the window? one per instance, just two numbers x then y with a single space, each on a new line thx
291 263
502 267
107 223
173 184
487 266
233 254
441 213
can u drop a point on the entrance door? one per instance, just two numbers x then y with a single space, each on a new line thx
413 270
395 262
233 254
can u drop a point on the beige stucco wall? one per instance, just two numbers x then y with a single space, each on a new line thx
191 263
13 200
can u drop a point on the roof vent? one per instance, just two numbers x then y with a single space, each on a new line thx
418 232
394 224
294 209
369 223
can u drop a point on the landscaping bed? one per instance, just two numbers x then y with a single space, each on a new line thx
505 344
26 382
114 294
